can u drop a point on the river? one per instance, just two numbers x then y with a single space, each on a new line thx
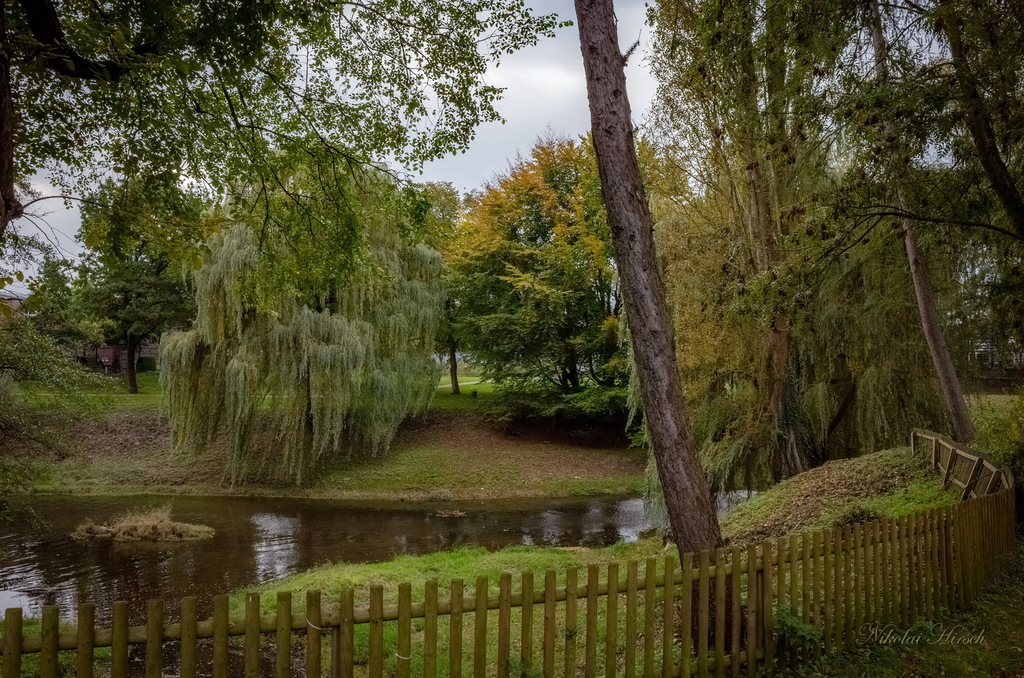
261 539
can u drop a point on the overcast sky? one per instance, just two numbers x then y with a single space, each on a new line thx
544 90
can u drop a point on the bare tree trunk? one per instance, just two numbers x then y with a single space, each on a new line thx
10 206
931 323
131 355
788 459
945 370
690 510
453 363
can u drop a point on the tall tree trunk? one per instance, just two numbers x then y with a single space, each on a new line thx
687 498
453 363
10 206
765 230
787 459
980 126
131 352
931 323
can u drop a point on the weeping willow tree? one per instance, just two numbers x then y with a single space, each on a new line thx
796 319
313 339
740 108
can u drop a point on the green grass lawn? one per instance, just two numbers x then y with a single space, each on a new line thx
466 375
111 394
444 400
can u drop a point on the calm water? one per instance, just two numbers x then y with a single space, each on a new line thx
262 539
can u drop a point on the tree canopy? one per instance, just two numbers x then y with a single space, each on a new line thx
216 90
536 286
142 237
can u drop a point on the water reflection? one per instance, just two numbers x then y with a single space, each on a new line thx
262 539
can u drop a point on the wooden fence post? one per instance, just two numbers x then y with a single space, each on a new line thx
829 606
252 635
590 642
668 623
650 575
752 611
404 651
119 641
283 644
950 463
455 629
430 629
686 611
768 606
220 636
548 647
631 613
188 637
526 647
719 613
969 486
480 627
86 635
734 650
343 657
314 624
375 663
50 636
611 622
504 623
12 641
818 604
572 627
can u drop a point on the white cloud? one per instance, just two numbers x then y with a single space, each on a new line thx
545 89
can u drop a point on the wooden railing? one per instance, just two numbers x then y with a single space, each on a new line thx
969 470
733 611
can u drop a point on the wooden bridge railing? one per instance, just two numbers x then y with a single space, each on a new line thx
725 617
969 470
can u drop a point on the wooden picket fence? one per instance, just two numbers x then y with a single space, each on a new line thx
731 612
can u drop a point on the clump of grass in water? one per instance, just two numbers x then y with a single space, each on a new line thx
153 525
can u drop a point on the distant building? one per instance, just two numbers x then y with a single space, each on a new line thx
12 300
111 358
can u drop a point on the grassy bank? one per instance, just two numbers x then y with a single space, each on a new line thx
120 445
880 485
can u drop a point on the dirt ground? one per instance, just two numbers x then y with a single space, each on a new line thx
439 456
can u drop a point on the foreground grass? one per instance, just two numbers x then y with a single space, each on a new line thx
995 616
